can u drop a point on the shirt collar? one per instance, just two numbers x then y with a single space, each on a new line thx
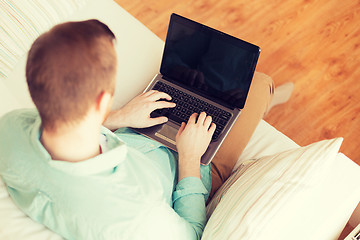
104 162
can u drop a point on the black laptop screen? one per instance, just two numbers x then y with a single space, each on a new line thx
214 64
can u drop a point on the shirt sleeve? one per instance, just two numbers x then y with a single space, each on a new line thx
189 203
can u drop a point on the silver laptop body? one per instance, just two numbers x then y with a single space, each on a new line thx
204 70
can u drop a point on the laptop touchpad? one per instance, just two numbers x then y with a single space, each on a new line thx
168 133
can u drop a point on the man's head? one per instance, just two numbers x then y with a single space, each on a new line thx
68 69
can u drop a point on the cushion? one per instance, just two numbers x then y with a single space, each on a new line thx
23 21
270 186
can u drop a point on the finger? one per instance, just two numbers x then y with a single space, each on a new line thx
207 121
181 129
212 128
159 95
148 93
201 118
163 104
157 121
192 118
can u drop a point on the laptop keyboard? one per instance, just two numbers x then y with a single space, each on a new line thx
186 105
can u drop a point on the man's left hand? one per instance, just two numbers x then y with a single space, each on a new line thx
136 113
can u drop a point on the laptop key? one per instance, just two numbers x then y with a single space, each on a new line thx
221 122
175 117
225 116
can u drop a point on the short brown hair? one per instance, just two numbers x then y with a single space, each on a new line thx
68 68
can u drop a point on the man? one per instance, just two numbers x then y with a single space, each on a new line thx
83 181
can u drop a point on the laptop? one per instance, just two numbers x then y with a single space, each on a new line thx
203 70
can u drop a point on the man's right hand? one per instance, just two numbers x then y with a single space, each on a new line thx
192 140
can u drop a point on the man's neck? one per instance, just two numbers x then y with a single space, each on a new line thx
72 143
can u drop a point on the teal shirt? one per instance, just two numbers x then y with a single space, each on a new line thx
128 192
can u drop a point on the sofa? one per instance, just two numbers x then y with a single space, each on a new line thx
278 189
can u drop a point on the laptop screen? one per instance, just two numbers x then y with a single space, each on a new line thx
214 64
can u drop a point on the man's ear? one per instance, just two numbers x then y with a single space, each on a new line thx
103 103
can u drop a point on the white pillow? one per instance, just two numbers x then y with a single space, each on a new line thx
261 188
23 21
